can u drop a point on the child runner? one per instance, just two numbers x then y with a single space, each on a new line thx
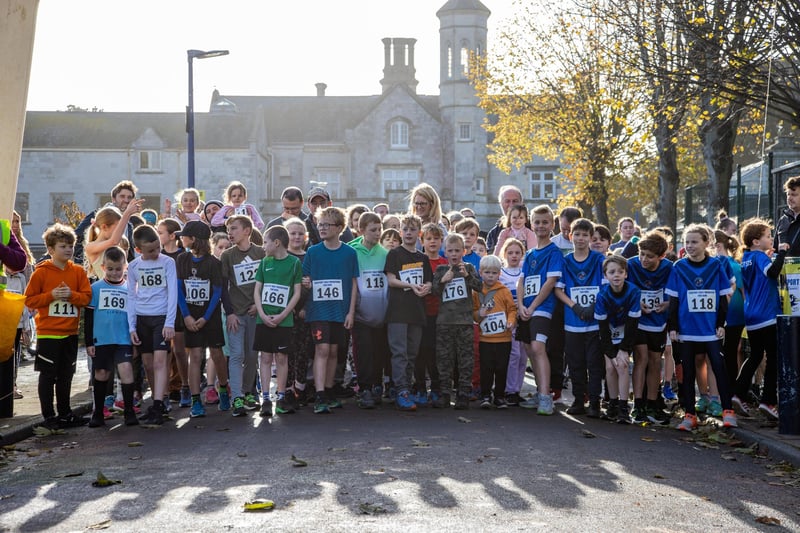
480 247
235 199
392 222
190 202
199 299
761 307
697 289
426 364
541 269
496 313
152 305
390 239
219 243
729 249
516 227
107 339
601 239
239 266
409 274
649 272
277 287
454 283
370 344
618 309
57 290
301 350
330 270
107 229
581 279
512 253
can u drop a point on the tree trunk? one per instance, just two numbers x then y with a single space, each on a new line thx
668 177
718 137
599 196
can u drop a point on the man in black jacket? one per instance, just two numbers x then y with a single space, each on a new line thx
788 228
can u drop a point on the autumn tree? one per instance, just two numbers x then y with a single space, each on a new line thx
560 87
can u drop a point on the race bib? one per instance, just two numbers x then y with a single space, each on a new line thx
702 301
274 295
152 277
494 323
373 280
245 273
617 333
412 276
62 309
584 296
198 291
112 300
327 290
533 284
241 210
652 299
456 289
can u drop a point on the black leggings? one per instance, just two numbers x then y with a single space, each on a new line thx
763 341
730 351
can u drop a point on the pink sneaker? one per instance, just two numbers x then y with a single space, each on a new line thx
119 407
212 396
107 413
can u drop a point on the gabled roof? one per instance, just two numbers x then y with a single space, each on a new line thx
110 131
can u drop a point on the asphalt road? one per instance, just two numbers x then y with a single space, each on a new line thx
384 470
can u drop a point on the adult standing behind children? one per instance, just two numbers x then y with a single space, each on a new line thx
122 194
319 198
507 196
787 230
292 205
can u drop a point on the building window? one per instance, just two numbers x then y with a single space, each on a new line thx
465 131
480 185
21 206
465 61
61 203
399 134
543 185
449 62
399 179
329 179
149 161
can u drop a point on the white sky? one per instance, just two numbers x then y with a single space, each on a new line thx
131 55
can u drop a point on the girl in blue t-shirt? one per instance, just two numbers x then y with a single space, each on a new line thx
698 288
728 250
761 307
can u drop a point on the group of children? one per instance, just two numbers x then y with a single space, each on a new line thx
416 302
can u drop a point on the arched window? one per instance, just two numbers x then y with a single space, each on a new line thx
449 61
398 135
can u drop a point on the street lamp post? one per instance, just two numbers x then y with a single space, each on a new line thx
191 55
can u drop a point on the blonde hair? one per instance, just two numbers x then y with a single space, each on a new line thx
107 216
431 196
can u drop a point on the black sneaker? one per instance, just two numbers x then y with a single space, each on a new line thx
577 408
291 398
131 419
623 417
365 399
97 421
611 411
500 403
486 402
462 402
513 399
594 410
72 421
441 401
657 416
340 391
239 408
283 407
266 409
639 415
155 416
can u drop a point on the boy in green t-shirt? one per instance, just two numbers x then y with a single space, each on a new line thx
277 289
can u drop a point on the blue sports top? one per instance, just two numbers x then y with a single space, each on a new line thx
332 273
110 303
698 288
538 265
617 308
651 284
581 281
761 299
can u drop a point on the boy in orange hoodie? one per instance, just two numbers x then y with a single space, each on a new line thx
57 290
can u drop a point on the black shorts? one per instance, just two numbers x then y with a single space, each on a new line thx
540 328
523 333
272 340
655 341
108 356
210 336
328 333
179 327
150 331
57 356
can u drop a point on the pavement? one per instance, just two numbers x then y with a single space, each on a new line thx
27 415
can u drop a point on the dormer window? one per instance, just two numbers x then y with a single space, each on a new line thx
399 134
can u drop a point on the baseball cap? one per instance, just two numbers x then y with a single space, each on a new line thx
318 191
196 229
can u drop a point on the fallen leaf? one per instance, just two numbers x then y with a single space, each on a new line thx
707 445
220 429
70 474
745 451
241 454
649 439
588 434
134 444
419 444
298 462
464 419
6 496
103 481
658 476
368 508
259 505
728 457
33 453
769 520
135 458
105 524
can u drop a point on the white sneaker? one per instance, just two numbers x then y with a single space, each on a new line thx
545 405
740 406
770 410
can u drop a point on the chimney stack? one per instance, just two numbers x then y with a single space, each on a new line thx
398 57
321 88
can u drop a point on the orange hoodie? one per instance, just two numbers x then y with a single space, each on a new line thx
56 318
501 311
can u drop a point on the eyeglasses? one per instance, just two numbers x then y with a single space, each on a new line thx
421 204
325 225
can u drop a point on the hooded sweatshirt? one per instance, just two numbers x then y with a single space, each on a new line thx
56 318
373 287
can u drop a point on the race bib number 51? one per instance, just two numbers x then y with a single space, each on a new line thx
533 284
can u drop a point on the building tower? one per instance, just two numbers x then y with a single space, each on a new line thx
462 31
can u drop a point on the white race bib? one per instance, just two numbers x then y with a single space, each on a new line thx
494 323
584 296
617 333
456 289
652 299
702 301
373 280
413 276
327 290
241 210
198 291
112 300
62 309
533 284
274 295
245 272
152 277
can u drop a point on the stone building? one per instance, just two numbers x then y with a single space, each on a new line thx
364 149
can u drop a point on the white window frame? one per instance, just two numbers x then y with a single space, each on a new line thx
399 133
148 161
480 186
332 178
541 182
22 206
398 179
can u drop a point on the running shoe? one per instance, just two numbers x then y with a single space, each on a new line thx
365 399
689 423
435 399
197 410
119 406
513 399
623 415
107 414
594 409
377 394
740 406
131 419
186 397
530 403
266 408
442 401
577 408
729 419
320 407
283 407
715 408
500 403
335 403
702 405
639 415
71 420
167 405
404 402
97 420
667 392
462 402
224 400
657 416
486 402
545 405
611 411
420 399
212 396
238 407
154 417
769 410
250 402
